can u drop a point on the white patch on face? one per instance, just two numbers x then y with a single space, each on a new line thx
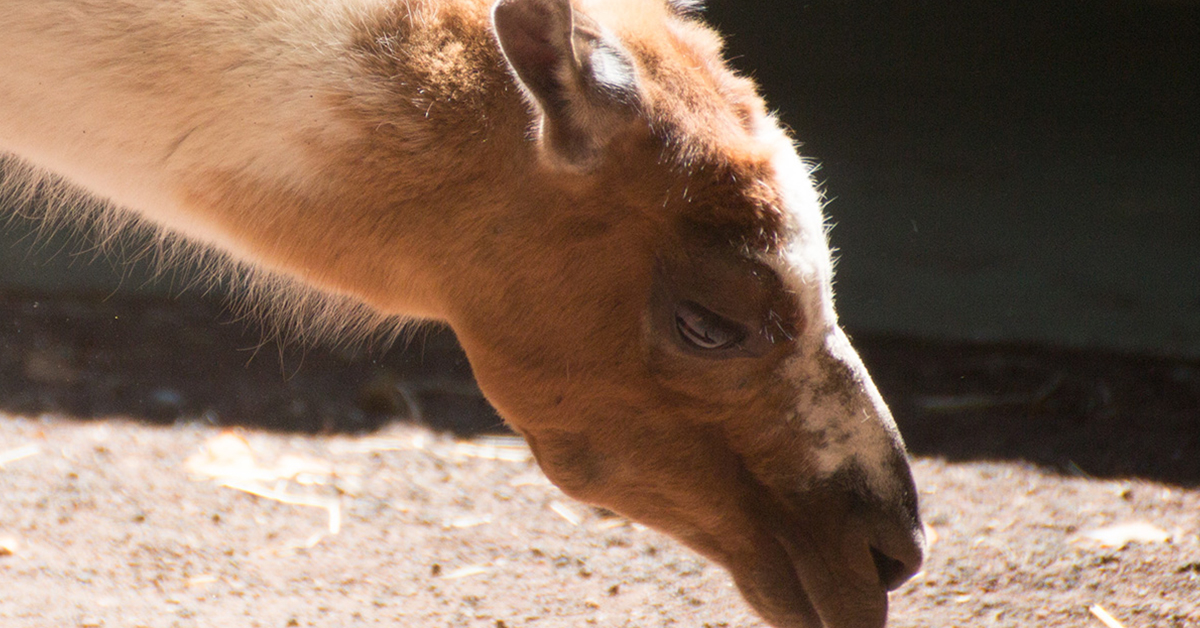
807 267
844 407
839 408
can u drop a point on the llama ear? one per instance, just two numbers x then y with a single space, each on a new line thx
579 77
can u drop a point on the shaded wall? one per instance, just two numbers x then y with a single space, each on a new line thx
1020 170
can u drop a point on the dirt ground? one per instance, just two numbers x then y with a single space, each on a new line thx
161 468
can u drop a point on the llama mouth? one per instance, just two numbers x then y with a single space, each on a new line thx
842 586
816 566
771 586
793 584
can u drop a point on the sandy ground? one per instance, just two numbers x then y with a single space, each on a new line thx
151 476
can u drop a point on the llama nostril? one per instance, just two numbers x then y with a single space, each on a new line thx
892 572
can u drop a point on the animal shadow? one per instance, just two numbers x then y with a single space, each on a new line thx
1086 413
188 359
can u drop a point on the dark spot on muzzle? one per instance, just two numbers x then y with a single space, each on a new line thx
892 572
892 522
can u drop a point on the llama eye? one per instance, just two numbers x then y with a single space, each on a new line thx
703 329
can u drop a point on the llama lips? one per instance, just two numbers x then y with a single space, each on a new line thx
826 556
773 588
794 581
840 581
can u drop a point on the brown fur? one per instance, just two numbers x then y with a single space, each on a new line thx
381 160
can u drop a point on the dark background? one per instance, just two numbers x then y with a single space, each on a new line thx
1018 170
1022 171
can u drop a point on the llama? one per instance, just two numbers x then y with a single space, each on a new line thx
625 242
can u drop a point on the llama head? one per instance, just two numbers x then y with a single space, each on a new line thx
659 318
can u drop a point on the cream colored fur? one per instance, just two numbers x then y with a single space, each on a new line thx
112 106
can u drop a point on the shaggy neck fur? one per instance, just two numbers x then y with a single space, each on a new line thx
270 130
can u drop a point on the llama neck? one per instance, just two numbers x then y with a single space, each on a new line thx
305 137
